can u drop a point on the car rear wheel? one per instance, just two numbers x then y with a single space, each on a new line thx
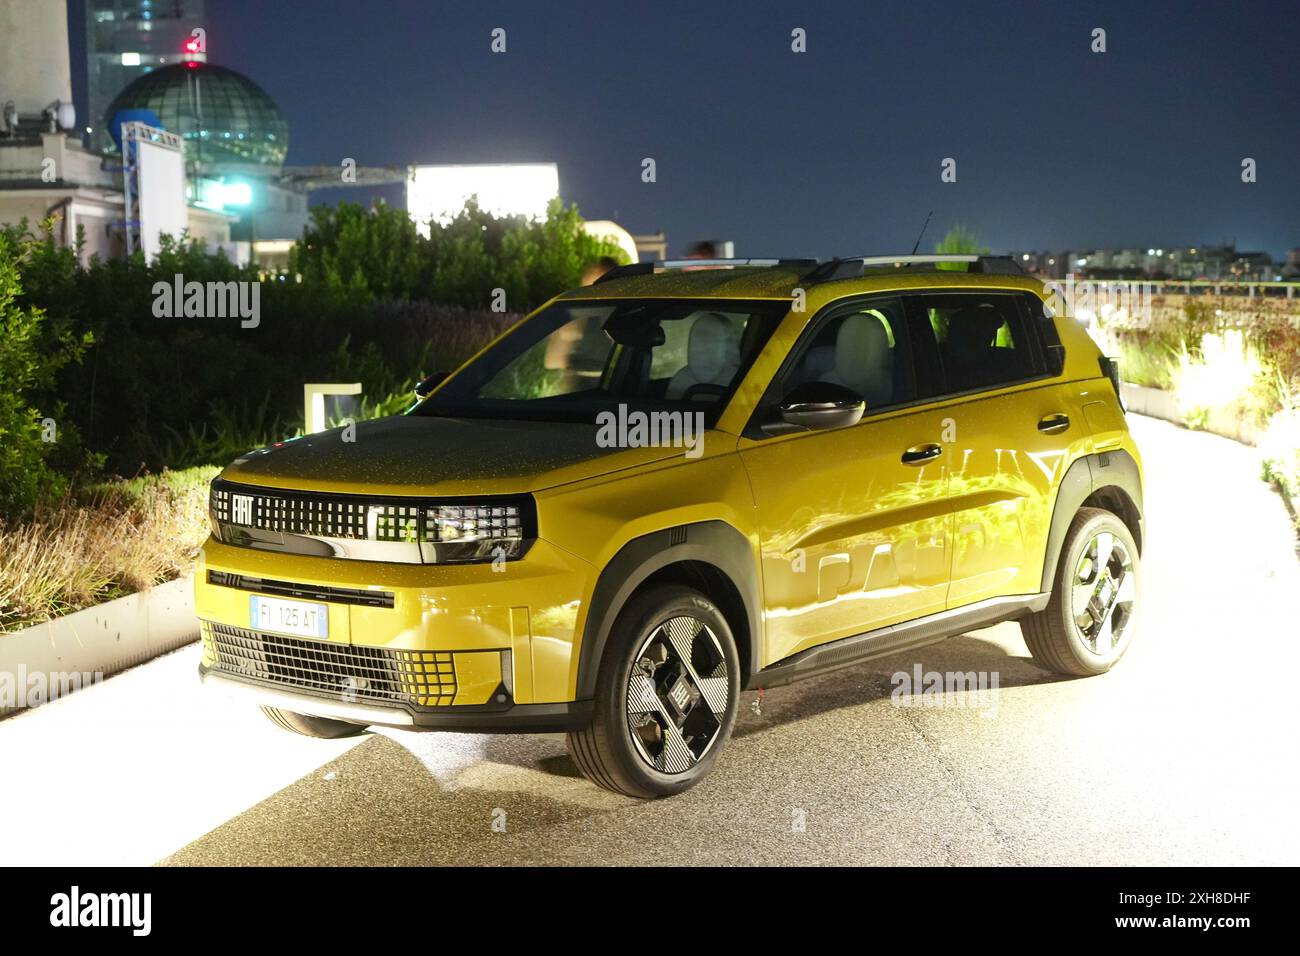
310 726
666 696
1089 622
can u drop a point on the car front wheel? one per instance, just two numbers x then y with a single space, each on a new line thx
666 696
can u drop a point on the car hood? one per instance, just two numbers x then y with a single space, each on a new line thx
427 455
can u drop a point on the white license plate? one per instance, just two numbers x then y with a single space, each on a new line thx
303 618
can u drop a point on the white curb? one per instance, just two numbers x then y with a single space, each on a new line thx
99 641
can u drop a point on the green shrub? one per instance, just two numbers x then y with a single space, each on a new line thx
359 254
229 430
1280 451
30 357
367 255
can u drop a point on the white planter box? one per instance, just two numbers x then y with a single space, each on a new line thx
89 645
1153 402
1159 403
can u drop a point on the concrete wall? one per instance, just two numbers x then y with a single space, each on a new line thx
93 211
34 67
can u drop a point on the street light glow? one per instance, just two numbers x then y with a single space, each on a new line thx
234 194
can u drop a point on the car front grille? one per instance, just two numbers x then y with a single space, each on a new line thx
292 512
340 671
371 518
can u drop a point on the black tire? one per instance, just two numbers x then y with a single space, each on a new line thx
606 751
1055 639
309 726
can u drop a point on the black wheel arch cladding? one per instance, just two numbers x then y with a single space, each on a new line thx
1102 479
712 543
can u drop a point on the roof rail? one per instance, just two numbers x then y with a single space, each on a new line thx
660 265
854 266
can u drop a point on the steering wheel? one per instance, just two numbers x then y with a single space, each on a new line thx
704 388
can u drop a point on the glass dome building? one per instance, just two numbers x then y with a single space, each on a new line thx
228 122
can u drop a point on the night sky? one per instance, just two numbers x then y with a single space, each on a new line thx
836 150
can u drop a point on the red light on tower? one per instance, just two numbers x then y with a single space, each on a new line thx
192 45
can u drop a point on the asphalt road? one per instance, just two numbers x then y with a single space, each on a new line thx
1185 754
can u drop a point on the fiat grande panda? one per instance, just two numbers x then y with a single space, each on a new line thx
687 480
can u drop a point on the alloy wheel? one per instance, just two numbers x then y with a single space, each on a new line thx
677 695
1103 593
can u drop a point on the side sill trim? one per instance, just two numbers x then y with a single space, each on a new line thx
884 641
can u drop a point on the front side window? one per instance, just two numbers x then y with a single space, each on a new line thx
578 358
862 347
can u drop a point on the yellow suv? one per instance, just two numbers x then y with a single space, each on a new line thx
689 479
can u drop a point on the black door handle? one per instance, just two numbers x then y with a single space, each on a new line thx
1054 423
922 453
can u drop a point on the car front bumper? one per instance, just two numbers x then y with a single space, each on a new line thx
423 647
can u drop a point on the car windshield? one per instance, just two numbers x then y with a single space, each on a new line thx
577 358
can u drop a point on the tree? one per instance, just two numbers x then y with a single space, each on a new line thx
354 251
959 241
380 254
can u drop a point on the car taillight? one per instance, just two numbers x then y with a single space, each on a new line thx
1110 368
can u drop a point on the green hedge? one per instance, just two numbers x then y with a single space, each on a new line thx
32 351
368 299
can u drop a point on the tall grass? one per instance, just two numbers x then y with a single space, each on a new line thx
1225 373
1279 445
112 539
1152 365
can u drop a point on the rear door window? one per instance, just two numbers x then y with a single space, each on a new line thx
981 340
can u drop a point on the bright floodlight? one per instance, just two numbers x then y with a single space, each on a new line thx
508 189
235 194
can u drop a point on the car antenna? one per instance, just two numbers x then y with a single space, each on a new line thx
923 227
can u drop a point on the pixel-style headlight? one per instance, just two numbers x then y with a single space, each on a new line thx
457 531
484 531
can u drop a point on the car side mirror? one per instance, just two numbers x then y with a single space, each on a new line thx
816 406
427 385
